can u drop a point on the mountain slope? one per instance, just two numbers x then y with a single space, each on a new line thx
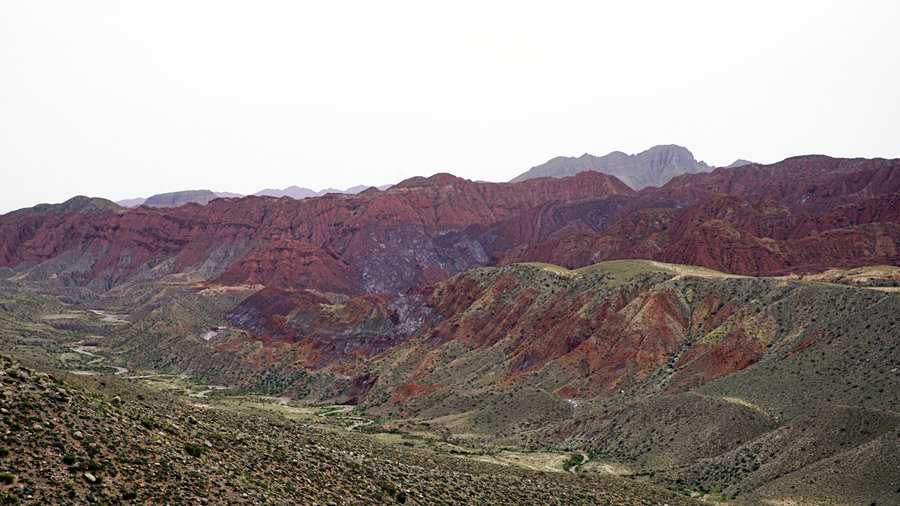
589 332
424 229
738 163
416 232
679 371
179 198
109 441
808 184
296 192
727 233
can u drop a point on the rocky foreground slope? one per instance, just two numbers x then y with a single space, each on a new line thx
111 442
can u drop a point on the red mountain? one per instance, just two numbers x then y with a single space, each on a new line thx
806 184
580 334
727 233
810 184
425 229
412 233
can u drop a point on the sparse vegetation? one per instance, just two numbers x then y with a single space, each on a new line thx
259 457
819 393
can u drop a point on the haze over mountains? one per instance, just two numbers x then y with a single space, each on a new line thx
653 167
730 333
203 197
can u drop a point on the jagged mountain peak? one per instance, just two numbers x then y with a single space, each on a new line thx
653 167
740 162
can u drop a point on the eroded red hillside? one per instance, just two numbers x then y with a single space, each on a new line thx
727 233
425 229
581 334
802 185
415 232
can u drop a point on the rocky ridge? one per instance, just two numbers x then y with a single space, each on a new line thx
727 233
413 233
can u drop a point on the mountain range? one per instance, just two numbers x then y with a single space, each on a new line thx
423 230
653 167
731 332
203 197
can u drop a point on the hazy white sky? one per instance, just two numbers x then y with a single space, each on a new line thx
125 99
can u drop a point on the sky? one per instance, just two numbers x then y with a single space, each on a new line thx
127 99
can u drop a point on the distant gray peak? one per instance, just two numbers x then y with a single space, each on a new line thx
203 197
131 202
740 162
653 167
179 198
297 192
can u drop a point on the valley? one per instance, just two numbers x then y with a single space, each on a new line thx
729 336
493 430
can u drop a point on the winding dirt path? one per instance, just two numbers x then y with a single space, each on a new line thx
682 271
111 318
97 358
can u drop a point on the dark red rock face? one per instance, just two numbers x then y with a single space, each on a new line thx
729 234
288 263
571 333
801 185
411 234
805 184
425 229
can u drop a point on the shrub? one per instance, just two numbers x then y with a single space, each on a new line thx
193 450
7 478
387 487
573 460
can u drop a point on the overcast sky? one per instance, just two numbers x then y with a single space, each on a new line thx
125 99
